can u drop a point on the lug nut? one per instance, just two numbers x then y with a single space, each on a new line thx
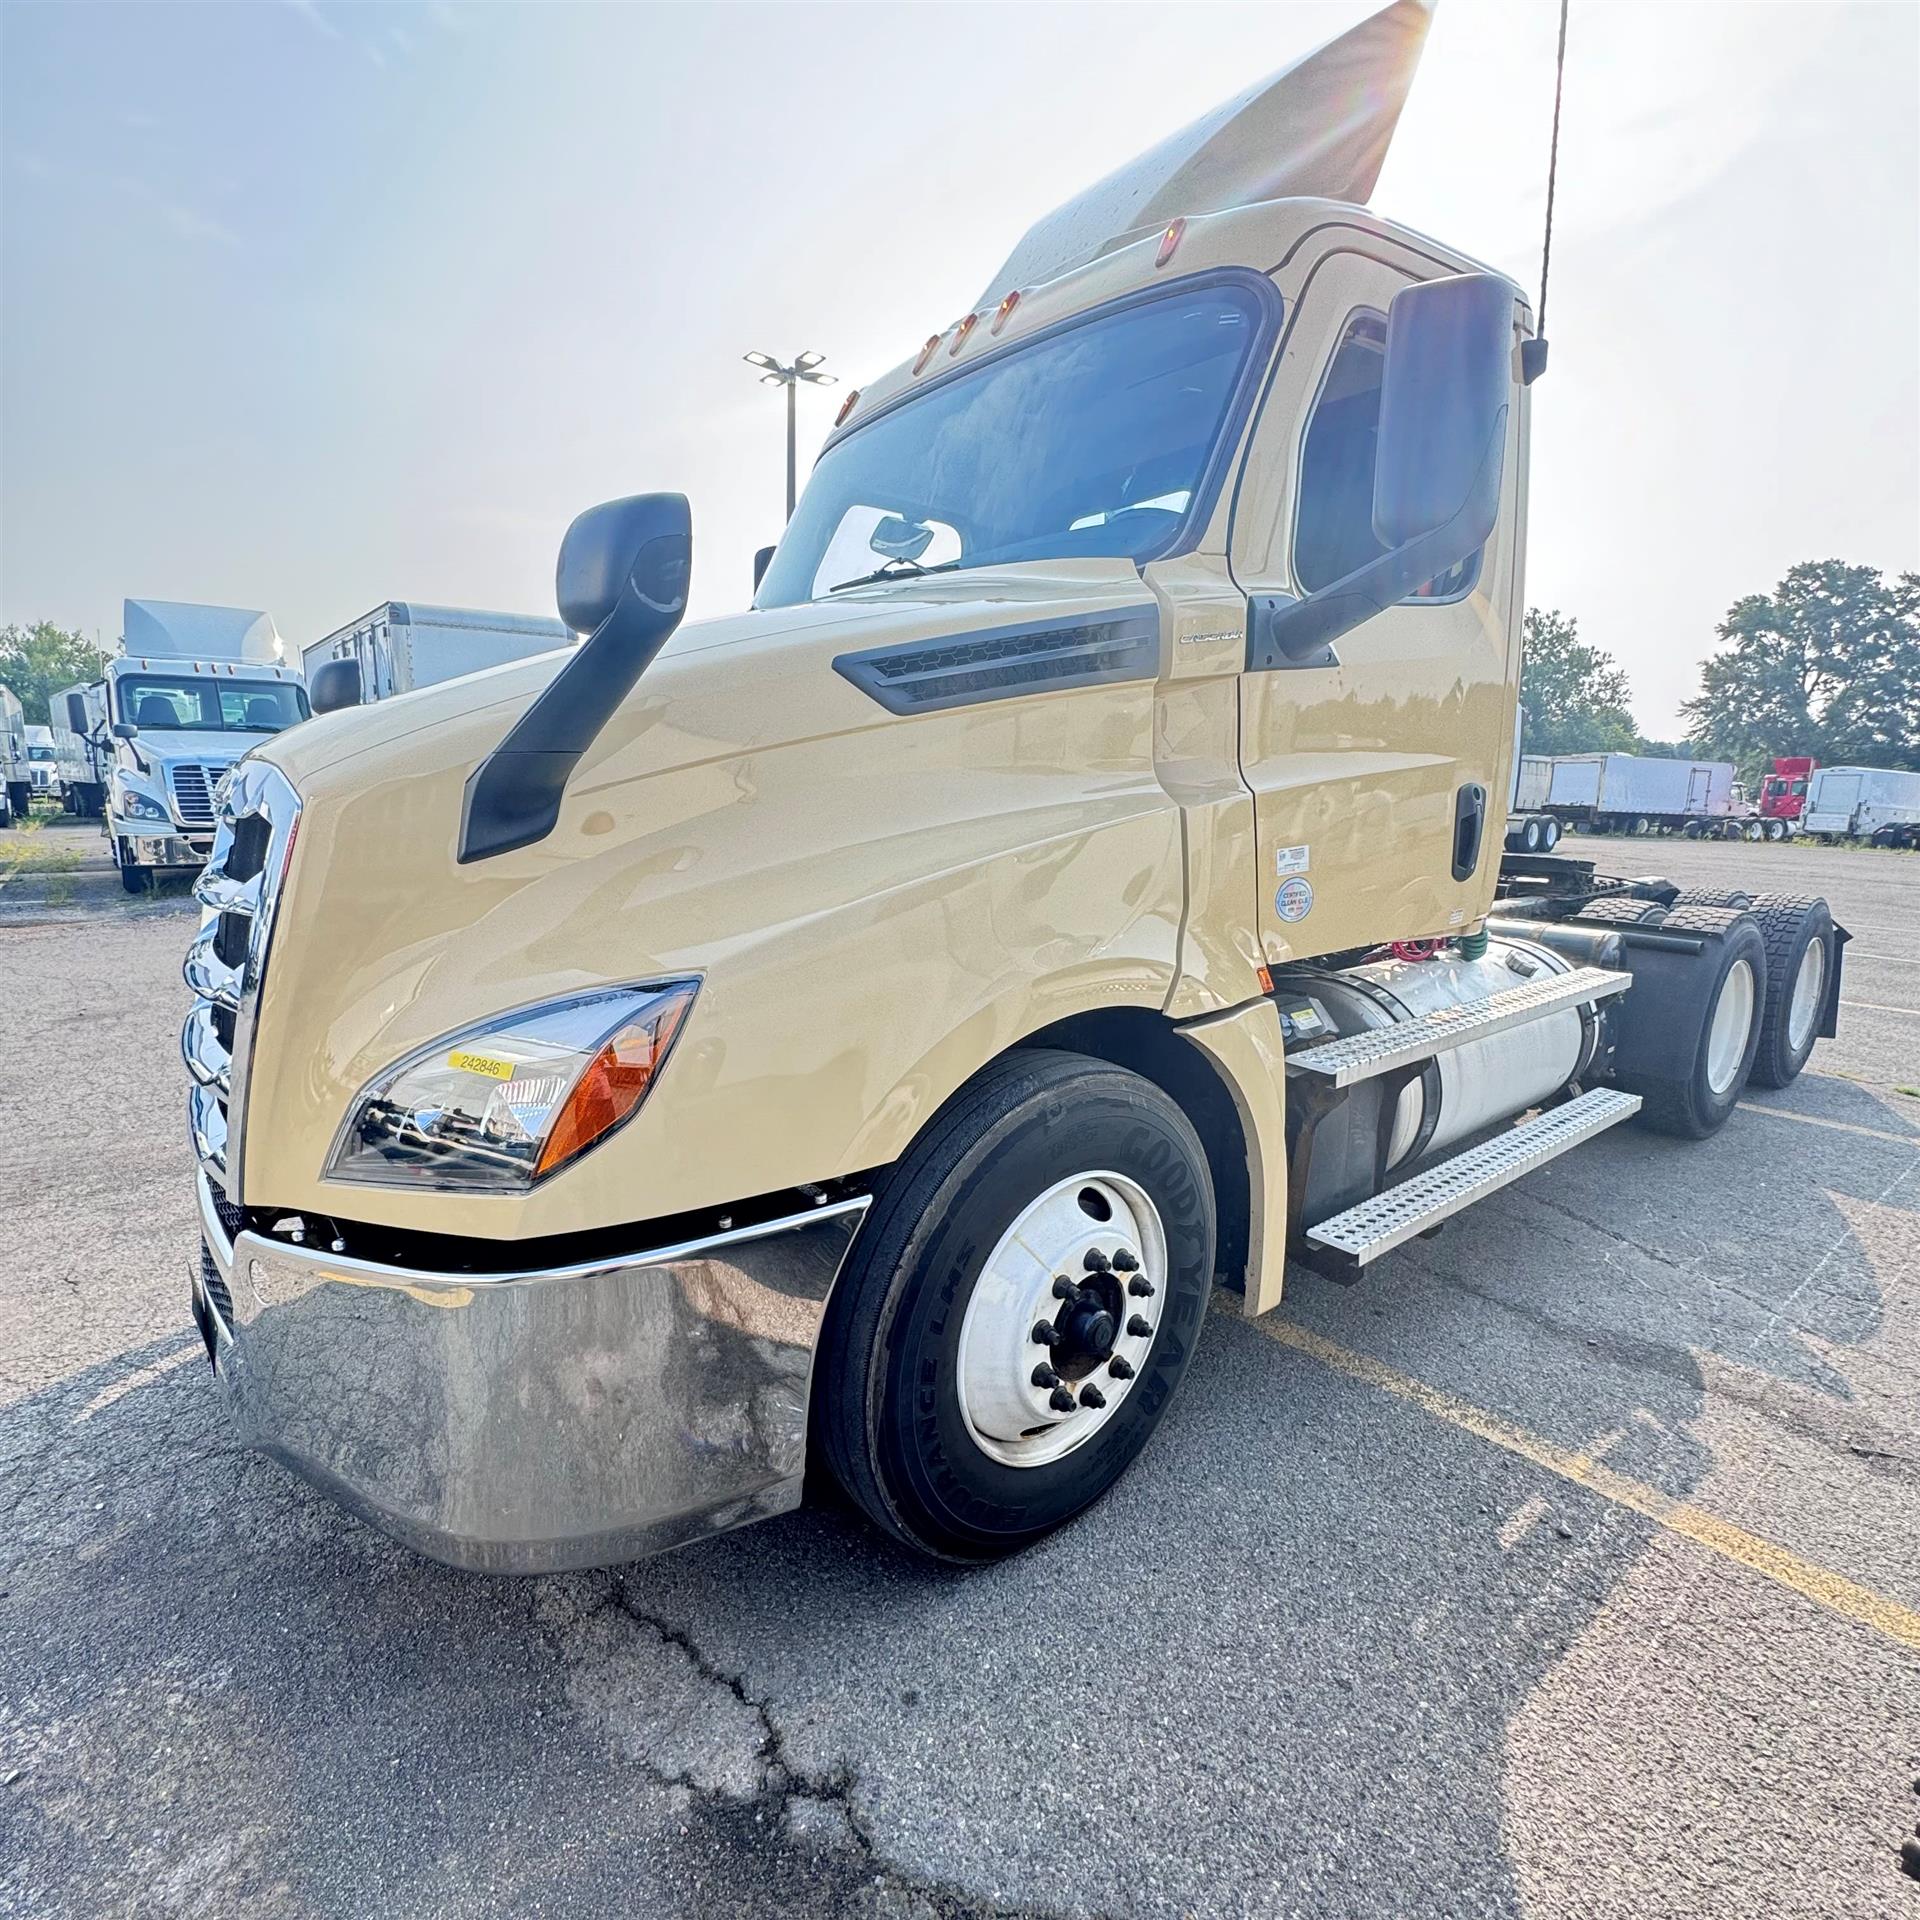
1044 1376
1119 1367
1045 1333
1065 1289
1124 1262
1139 1327
1061 1401
1140 1287
1096 1261
1091 1396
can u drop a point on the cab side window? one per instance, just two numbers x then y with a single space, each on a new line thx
1333 524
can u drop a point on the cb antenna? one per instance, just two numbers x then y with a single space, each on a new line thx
1533 353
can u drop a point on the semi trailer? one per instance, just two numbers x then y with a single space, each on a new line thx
16 764
404 644
860 1032
195 687
1880 805
1640 793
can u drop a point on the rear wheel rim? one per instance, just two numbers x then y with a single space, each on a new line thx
1809 989
1098 1217
1730 1027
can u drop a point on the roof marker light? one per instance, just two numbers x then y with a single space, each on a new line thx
1170 240
1004 312
846 407
926 352
965 327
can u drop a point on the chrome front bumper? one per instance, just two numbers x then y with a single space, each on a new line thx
524 1422
145 848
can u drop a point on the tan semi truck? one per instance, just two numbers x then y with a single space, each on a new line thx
862 1032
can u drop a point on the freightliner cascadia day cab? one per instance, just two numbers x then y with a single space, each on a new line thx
195 687
405 644
862 1031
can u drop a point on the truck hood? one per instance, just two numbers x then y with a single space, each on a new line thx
748 815
213 747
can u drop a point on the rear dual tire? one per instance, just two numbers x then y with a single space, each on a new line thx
1798 931
925 1407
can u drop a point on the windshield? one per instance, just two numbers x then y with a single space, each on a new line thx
39 753
157 703
1094 440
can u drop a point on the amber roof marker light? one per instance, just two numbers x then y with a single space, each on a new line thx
806 366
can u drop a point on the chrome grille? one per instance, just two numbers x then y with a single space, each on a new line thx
226 964
193 793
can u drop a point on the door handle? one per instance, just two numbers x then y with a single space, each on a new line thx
1469 828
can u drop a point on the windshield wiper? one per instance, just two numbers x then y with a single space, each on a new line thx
897 569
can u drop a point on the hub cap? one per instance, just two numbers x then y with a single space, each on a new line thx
1809 989
1062 1319
1732 1022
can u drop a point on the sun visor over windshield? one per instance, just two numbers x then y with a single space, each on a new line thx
1318 128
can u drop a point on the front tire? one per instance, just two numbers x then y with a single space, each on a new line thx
929 1399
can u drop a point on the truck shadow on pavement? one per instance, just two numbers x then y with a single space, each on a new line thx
1276 1671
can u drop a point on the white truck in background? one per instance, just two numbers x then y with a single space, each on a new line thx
1639 793
16 777
195 687
1880 805
404 644
42 760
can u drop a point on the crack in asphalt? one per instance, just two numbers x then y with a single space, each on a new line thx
771 1815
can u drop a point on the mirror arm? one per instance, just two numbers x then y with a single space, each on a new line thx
513 797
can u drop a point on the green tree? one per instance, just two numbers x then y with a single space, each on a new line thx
1575 696
39 661
1828 663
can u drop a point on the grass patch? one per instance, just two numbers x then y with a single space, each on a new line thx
24 850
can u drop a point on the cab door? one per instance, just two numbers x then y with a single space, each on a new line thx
1379 776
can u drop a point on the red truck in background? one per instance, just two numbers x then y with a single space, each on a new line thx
1783 794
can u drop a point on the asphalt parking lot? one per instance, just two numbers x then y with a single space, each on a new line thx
1564 1567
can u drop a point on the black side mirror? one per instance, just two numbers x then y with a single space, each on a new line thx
125 730
1437 464
77 714
622 580
335 684
761 562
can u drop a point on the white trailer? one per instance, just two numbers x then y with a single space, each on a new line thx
16 775
1878 804
1639 793
79 755
403 645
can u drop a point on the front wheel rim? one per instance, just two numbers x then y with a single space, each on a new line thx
1731 1025
1088 1251
1809 988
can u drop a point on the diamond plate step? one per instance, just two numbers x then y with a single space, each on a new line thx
1363 1233
1360 1056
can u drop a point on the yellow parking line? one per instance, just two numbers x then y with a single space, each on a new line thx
1818 1584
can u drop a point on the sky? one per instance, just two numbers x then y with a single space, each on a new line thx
309 306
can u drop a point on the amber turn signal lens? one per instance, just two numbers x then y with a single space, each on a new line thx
615 1083
1170 241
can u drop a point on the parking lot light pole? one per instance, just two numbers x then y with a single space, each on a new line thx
806 366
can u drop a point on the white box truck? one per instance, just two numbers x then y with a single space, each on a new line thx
16 778
1876 804
404 644
1637 793
196 687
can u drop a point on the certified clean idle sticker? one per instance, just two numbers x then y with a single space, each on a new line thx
1294 901
1288 860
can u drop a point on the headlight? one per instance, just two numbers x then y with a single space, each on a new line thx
496 1108
136 806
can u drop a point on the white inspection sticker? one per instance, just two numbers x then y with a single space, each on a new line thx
1294 901
1288 860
